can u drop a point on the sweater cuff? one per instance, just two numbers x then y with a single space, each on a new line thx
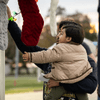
30 57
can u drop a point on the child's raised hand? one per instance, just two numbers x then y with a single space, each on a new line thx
25 56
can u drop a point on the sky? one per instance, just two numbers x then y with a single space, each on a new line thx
88 7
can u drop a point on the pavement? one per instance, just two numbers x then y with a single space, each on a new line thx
25 96
37 96
93 96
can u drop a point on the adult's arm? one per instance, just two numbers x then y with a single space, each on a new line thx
88 50
87 85
16 35
93 57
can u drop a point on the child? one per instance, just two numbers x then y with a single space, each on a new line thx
66 58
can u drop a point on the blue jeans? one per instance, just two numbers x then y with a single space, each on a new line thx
98 98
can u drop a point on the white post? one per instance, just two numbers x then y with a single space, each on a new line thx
38 74
3 45
16 61
2 75
17 51
53 24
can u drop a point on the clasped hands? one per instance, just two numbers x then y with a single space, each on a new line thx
25 56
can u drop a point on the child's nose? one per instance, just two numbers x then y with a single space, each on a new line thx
57 36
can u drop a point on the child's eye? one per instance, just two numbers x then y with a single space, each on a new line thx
61 33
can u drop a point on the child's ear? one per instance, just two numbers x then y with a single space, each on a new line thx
68 39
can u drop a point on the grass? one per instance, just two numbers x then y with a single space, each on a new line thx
24 84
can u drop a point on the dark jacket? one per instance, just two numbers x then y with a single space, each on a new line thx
98 63
87 85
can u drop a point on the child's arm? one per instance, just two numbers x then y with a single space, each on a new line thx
51 55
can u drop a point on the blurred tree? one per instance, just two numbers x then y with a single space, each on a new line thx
46 39
59 11
85 22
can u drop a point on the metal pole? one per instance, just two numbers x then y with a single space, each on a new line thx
2 75
16 61
38 74
17 51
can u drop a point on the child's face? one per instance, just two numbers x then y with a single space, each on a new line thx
61 37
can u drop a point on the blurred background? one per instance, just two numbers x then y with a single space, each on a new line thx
26 79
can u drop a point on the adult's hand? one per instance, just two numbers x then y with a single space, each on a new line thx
25 56
52 83
9 12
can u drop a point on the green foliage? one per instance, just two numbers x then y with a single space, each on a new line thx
92 37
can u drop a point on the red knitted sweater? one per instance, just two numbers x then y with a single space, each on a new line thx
32 22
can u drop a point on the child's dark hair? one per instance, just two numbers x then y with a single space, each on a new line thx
73 30
62 23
